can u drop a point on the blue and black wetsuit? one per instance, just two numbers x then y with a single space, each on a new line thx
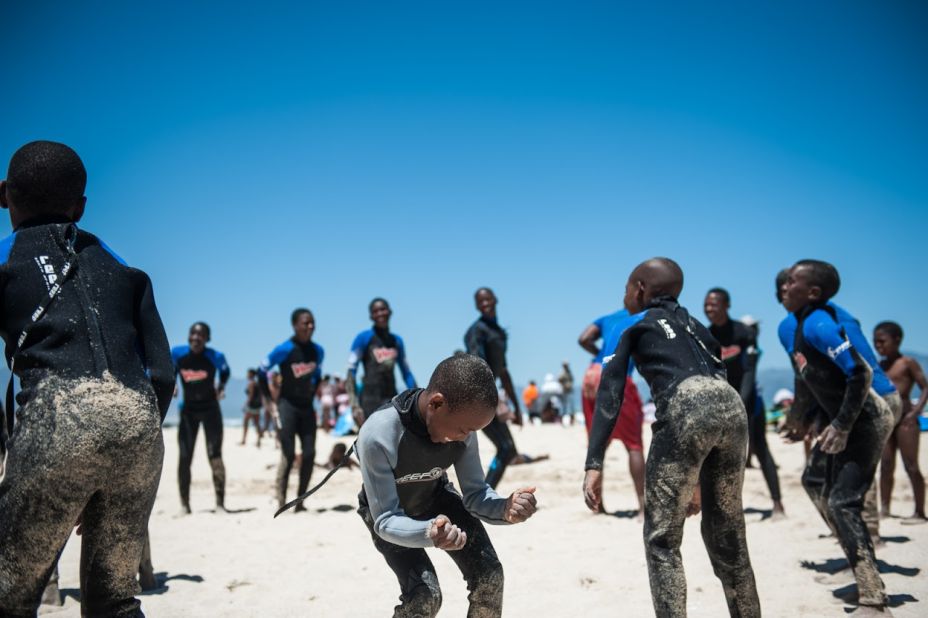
833 376
380 351
740 355
406 486
200 404
487 339
96 377
700 436
300 366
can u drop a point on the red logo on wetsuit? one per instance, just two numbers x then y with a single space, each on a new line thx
302 369
383 355
194 375
801 361
730 351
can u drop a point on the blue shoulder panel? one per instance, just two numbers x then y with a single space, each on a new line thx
278 355
6 247
881 384
179 352
787 333
824 334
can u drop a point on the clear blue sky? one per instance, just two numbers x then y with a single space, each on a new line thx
257 158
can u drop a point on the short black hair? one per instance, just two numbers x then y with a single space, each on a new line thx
203 326
484 289
721 292
780 281
46 178
297 313
465 379
370 306
663 275
823 275
890 328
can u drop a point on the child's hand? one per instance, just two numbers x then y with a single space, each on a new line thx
593 489
446 535
695 504
833 440
521 505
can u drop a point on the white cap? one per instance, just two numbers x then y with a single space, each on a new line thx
782 395
749 320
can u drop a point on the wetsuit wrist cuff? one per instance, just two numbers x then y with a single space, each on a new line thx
839 426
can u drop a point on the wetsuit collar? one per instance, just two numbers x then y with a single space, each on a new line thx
407 404
666 301
43 220
381 331
491 321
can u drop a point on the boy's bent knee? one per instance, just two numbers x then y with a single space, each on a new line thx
424 600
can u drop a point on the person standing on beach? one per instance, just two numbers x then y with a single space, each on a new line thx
857 422
609 329
740 355
84 337
299 361
199 367
700 438
252 411
487 339
905 372
407 502
380 352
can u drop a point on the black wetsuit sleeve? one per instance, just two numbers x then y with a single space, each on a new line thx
473 342
855 394
749 377
156 352
609 401
802 413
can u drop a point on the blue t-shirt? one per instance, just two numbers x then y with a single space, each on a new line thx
611 328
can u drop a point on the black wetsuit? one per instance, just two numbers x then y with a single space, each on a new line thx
833 377
699 436
380 351
200 405
486 339
255 398
300 366
406 486
740 355
96 380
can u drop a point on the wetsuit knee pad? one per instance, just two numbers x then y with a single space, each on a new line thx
425 596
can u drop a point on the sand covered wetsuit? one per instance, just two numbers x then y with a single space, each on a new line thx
740 355
200 405
880 383
300 366
406 486
832 373
487 339
96 377
380 351
700 436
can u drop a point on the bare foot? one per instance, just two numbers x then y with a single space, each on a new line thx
640 516
867 610
914 520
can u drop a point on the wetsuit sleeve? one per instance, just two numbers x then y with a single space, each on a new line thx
390 520
223 367
474 343
787 333
404 366
750 354
609 400
827 337
357 350
320 355
479 498
154 347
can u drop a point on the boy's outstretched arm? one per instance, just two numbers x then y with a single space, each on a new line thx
827 337
156 352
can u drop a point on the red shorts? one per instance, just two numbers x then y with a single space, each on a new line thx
628 427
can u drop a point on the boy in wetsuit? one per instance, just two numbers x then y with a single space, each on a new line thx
486 339
84 337
252 411
407 501
198 367
699 440
740 355
879 383
905 372
832 373
380 351
299 361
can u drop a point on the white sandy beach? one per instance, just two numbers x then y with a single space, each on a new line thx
563 562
